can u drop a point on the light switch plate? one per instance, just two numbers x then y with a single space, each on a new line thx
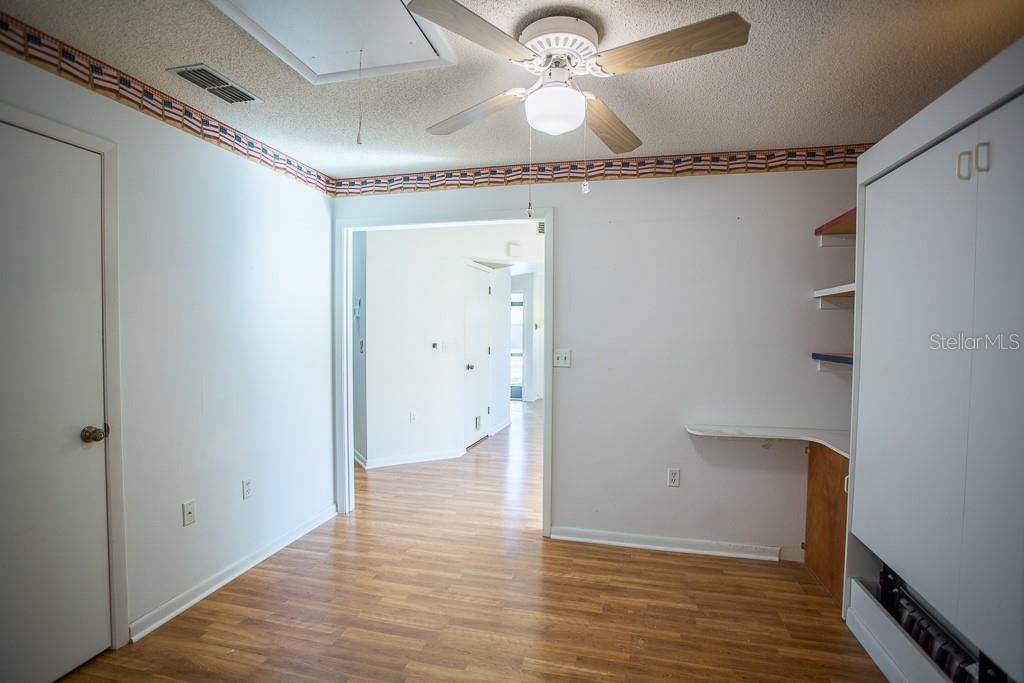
188 512
563 358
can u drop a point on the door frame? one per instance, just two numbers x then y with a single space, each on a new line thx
116 518
344 449
485 427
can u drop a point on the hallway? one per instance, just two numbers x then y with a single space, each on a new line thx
442 574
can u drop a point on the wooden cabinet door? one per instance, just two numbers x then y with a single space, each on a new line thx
826 517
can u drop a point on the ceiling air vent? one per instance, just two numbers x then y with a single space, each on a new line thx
215 84
540 227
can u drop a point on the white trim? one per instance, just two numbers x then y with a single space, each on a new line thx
175 606
855 563
434 35
359 458
116 525
504 426
874 649
412 460
791 553
547 349
344 420
694 546
891 648
998 81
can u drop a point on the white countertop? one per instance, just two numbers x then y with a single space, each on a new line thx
836 439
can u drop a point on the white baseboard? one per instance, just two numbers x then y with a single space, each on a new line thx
360 458
669 543
413 459
874 649
891 648
504 426
791 553
175 606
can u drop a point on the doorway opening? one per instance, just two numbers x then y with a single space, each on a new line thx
516 346
426 351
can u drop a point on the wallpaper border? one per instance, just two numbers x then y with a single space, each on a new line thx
48 53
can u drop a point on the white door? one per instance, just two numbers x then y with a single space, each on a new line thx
913 409
500 348
54 581
477 292
991 572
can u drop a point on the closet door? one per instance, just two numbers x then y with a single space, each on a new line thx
918 273
991 609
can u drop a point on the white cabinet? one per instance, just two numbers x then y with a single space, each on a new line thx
919 233
938 462
991 576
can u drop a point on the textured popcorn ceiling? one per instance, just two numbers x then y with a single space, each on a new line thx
815 72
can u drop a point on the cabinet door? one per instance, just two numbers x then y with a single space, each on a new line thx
991 609
826 517
912 409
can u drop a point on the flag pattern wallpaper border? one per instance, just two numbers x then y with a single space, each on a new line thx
50 54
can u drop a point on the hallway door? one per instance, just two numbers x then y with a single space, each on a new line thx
54 580
477 296
500 332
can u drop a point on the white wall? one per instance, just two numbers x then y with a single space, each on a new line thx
415 280
359 307
683 299
225 322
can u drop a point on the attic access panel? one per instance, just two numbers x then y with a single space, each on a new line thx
321 39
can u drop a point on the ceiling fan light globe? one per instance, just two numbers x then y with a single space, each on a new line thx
556 109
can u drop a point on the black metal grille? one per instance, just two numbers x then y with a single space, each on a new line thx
215 84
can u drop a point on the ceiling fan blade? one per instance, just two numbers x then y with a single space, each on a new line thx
478 112
457 19
609 127
711 35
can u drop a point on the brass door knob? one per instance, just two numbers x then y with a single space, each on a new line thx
93 434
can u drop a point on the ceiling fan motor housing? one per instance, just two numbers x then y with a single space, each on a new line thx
573 42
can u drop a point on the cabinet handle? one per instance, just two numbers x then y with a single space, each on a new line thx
963 172
979 166
846 484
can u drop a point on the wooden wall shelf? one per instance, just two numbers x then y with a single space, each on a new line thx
838 358
839 292
843 224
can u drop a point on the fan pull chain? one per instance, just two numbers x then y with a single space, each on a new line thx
359 97
585 186
529 188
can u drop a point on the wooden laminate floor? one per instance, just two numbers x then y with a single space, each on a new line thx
441 574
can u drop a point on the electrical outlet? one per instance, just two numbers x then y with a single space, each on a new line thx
673 477
246 488
563 358
188 512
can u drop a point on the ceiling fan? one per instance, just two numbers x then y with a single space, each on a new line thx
557 49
